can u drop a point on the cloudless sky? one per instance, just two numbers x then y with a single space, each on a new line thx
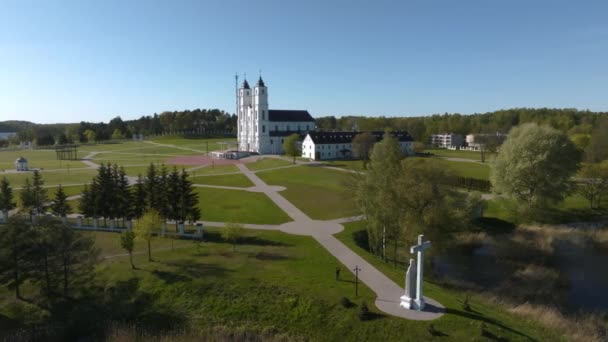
69 61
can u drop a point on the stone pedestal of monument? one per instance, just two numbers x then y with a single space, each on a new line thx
408 299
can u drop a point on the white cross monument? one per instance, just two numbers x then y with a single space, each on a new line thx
408 300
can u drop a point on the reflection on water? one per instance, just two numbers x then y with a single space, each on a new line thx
584 269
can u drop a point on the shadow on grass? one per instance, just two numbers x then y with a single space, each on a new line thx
270 256
187 269
245 240
478 317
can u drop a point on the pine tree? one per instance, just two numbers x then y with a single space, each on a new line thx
40 193
138 198
88 204
15 252
123 195
27 196
6 195
162 192
173 187
60 206
189 199
101 189
151 188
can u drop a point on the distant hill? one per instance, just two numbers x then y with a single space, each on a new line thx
15 125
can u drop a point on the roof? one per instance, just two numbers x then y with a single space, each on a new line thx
347 137
289 115
261 82
245 85
20 160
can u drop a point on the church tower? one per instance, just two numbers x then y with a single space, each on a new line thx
260 112
245 120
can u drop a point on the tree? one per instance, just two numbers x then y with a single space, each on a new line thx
138 196
88 205
147 226
534 165
60 206
291 146
15 253
46 242
90 135
27 196
376 193
174 196
151 187
127 242
40 193
488 143
594 184
6 196
117 134
77 256
232 233
597 149
189 209
362 146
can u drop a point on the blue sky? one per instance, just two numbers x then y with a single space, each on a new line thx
68 61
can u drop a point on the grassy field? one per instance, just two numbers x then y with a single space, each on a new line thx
237 180
222 205
355 165
467 169
473 155
273 283
321 193
214 169
74 177
194 143
37 159
267 163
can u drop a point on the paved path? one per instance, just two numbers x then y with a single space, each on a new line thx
388 293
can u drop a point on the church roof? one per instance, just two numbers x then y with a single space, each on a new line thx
286 134
245 84
347 137
261 82
289 115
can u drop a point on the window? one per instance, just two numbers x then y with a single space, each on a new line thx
336 147
276 128
263 115
281 141
307 127
271 141
288 128
263 129
247 92
262 91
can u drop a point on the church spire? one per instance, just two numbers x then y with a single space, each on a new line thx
245 84
261 82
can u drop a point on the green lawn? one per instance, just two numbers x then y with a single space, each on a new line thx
223 205
468 169
356 165
200 144
237 179
274 283
214 169
319 192
267 163
73 177
442 152
37 159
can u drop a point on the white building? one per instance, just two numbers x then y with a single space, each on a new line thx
262 130
476 140
7 135
446 140
21 164
338 145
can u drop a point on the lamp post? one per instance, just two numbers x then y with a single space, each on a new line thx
357 269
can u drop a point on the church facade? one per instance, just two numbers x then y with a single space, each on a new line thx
263 130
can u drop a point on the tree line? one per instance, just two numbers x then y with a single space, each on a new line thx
585 128
170 193
202 121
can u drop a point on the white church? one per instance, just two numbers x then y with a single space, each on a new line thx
262 130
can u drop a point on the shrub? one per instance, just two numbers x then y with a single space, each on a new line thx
364 312
345 302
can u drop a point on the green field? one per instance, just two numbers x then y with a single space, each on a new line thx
37 159
473 155
237 180
221 205
73 177
267 163
355 165
468 169
321 193
194 143
274 283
